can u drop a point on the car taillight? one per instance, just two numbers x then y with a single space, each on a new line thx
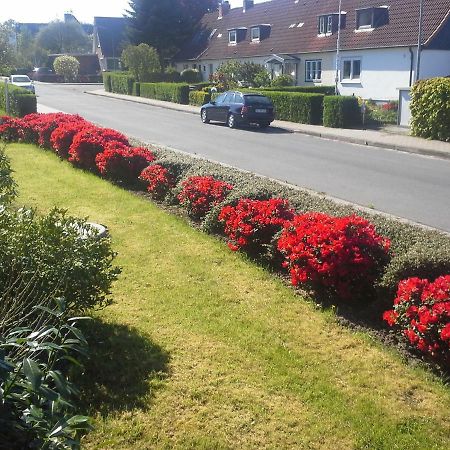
244 109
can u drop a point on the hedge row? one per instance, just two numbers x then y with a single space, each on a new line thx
341 112
430 109
199 98
169 92
21 101
325 90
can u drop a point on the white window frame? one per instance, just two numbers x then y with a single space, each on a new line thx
352 77
368 26
322 24
313 70
230 41
255 38
329 24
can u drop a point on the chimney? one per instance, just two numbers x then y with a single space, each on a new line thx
247 4
224 7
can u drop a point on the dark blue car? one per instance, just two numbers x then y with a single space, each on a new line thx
238 108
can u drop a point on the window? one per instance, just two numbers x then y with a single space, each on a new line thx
220 99
313 70
351 69
329 24
232 37
255 34
229 98
364 18
322 24
239 98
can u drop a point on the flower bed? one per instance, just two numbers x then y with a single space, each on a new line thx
159 181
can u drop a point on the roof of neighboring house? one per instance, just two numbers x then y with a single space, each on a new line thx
34 28
111 34
288 36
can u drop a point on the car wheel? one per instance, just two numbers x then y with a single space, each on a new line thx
204 116
231 121
264 125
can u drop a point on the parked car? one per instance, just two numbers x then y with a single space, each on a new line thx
237 108
45 74
23 81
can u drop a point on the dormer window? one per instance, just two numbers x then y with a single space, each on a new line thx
232 37
329 23
322 24
255 34
369 18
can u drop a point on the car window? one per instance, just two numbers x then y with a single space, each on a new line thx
257 100
229 98
20 79
220 98
239 98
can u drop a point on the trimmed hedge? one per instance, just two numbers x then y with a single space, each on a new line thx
199 98
430 109
107 81
296 107
137 89
326 90
341 112
169 92
21 101
122 83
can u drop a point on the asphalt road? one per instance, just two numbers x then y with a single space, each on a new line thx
407 185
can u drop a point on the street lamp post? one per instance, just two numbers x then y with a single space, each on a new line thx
338 42
419 40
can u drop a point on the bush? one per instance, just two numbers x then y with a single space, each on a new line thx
10 129
282 80
141 60
51 252
159 181
296 107
89 142
199 98
422 313
122 83
107 81
169 92
67 66
21 101
252 224
122 163
344 254
200 194
7 184
190 76
62 137
430 109
341 112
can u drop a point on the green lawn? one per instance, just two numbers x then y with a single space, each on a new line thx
204 350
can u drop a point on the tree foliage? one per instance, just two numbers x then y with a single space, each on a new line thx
166 24
7 53
63 37
67 66
232 73
141 60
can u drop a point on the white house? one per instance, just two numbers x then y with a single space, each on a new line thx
377 41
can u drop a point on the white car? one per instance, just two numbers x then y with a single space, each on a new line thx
23 81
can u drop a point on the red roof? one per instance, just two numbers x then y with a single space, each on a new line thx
288 37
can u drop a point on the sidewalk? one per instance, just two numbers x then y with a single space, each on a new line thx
393 138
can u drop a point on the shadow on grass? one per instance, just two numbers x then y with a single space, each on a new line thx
123 371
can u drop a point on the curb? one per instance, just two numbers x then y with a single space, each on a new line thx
285 126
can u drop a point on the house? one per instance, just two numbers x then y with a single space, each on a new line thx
108 41
377 42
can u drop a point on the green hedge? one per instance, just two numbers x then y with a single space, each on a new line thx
341 112
296 107
199 98
21 101
107 81
430 109
326 90
169 92
137 89
122 83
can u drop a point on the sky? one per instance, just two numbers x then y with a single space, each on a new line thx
84 10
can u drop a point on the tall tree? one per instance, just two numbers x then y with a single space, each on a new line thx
166 24
63 37
7 50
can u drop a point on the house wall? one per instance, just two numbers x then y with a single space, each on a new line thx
435 63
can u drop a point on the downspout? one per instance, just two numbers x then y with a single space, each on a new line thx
411 66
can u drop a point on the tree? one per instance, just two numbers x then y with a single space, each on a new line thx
67 66
166 24
233 72
63 37
7 52
141 60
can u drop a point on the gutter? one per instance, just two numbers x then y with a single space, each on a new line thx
411 66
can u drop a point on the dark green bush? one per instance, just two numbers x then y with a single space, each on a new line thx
430 109
122 83
21 101
326 90
341 112
169 92
7 183
137 89
296 107
199 98
54 249
191 76
107 81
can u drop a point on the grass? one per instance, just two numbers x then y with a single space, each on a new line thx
204 350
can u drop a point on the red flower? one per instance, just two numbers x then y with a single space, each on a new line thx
159 180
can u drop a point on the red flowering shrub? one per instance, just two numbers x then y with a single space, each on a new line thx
122 163
89 142
341 253
62 136
159 180
422 312
252 224
200 194
45 124
10 128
